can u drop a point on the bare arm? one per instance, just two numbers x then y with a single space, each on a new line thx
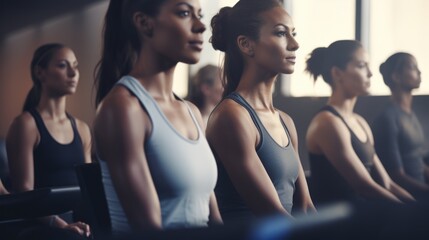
3 190
331 136
306 204
21 138
390 185
120 129
232 139
85 135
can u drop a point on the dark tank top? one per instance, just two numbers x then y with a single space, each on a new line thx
54 162
280 163
326 184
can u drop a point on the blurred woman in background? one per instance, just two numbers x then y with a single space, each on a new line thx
45 142
344 166
399 138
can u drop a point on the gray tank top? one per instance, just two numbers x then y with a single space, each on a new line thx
184 171
281 164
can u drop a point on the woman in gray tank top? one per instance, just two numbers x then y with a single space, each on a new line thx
255 144
157 168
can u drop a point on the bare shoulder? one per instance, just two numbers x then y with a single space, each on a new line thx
25 123
83 128
229 114
325 123
287 119
118 103
23 130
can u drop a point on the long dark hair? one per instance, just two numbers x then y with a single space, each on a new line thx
41 58
227 25
321 60
121 42
393 64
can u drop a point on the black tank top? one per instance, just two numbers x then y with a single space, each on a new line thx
326 184
54 162
280 163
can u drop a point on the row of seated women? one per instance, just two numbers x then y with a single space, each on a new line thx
159 171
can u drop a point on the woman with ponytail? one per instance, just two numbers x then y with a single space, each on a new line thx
399 137
45 142
158 170
344 166
255 144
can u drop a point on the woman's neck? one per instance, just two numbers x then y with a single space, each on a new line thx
257 88
403 99
344 105
53 107
155 73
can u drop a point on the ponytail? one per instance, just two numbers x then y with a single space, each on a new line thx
117 57
338 54
32 99
41 58
121 42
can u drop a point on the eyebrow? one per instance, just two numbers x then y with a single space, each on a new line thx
188 5
288 28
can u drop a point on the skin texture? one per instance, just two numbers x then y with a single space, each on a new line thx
58 80
407 78
123 146
328 135
231 131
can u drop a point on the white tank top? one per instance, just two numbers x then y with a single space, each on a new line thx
184 171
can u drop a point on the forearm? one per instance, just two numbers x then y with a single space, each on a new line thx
375 191
411 184
401 193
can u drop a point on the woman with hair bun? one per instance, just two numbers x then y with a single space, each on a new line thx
399 138
255 144
344 166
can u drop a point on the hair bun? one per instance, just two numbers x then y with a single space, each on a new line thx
219 25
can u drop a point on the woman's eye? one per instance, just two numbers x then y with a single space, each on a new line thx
184 13
281 34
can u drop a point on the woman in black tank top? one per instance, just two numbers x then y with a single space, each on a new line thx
44 143
344 165
254 143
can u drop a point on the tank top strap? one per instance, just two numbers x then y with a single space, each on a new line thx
149 103
194 119
135 87
39 121
332 110
285 127
240 100
74 127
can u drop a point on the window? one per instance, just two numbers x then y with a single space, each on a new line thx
395 26
318 23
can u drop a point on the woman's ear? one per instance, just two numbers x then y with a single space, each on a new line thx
143 24
395 78
245 45
336 73
38 71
